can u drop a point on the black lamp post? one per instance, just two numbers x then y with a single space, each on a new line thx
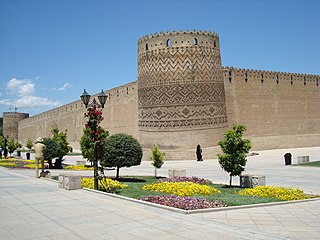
85 97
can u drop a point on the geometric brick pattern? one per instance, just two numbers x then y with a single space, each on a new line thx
181 94
181 87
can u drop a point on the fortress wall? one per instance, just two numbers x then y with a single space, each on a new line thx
279 109
121 110
120 115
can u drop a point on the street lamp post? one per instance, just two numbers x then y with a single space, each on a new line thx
85 97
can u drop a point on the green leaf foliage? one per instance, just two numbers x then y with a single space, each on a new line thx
94 136
157 157
12 146
29 144
1 141
86 145
61 139
121 150
52 149
234 147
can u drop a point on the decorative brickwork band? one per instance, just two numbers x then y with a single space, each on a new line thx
181 94
180 82
182 117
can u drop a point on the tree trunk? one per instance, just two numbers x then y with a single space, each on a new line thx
230 181
155 172
117 176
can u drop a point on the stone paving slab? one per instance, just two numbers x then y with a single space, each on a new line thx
269 163
37 209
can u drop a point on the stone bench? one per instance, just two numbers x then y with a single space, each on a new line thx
177 172
251 180
258 180
69 182
81 162
302 159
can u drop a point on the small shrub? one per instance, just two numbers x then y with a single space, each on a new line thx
157 159
52 149
234 148
181 188
186 203
282 193
121 150
29 144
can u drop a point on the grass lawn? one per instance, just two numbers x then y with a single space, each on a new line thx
228 196
309 164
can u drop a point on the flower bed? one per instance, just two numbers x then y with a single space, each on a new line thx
186 179
186 203
282 193
78 167
104 184
17 163
181 188
8 164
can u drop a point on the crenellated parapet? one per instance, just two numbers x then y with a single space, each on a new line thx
231 73
162 40
123 90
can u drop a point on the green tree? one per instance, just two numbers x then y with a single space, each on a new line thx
121 150
29 144
12 146
235 149
2 142
157 157
87 146
52 149
61 139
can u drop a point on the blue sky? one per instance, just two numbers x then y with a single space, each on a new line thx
50 50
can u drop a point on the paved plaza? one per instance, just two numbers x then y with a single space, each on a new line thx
37 209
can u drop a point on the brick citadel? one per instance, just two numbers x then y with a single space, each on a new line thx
184 97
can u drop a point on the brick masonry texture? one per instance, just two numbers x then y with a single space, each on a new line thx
184 97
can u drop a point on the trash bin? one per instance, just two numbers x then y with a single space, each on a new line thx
287 158
28 155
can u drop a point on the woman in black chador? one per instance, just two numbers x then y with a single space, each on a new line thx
199 153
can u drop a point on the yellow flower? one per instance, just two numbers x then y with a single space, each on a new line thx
275 192
105 183
181 188
78 167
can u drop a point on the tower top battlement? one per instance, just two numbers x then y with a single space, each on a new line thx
180 38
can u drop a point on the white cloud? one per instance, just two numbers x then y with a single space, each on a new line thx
23 95
20 87
34 101
64 87
6 102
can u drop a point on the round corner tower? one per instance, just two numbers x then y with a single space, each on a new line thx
181 97
11 123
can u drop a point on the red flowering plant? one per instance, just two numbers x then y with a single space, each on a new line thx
93 135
